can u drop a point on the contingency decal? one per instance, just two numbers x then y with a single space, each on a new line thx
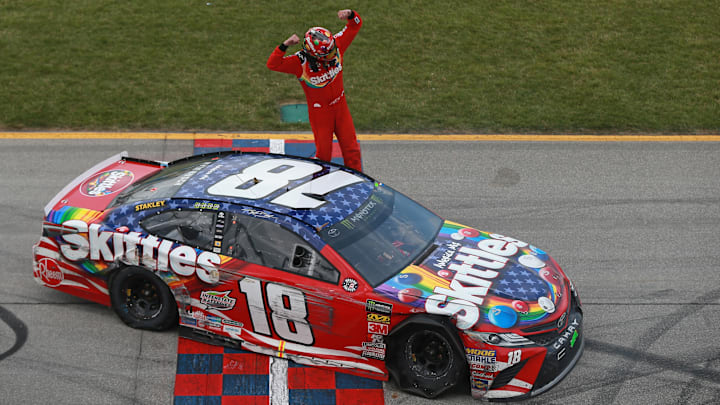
476 277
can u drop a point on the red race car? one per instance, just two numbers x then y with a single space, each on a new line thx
317 263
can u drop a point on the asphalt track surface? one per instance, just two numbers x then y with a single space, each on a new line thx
636 225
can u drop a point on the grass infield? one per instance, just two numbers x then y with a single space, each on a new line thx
417 66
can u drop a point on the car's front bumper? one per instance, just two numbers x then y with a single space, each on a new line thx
541 367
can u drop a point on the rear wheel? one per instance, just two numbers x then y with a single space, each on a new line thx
142 300
425 360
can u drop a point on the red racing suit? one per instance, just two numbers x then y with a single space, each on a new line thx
325 95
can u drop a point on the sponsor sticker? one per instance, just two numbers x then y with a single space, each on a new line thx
378 306
480 384
371 354
483 357
378 318
149 205
48 272
219 300
484 375
350 285
373 346
232 329
206 206
378 328
490 368
481 352
232 322
377 338
106 183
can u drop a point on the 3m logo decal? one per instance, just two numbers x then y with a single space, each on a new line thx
378 328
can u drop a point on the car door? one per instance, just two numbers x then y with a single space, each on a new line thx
289 291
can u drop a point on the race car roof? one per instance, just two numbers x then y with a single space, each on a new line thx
316 192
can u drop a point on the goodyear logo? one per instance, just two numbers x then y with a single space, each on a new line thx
147 206
378 318
481 352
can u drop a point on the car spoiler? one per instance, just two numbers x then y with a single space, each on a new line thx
79 179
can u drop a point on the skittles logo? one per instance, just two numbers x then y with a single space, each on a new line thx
106 183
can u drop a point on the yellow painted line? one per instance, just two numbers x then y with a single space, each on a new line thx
364 137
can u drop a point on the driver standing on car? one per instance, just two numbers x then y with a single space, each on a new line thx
319 66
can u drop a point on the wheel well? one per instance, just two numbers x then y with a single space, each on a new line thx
434 321
166 297
399 333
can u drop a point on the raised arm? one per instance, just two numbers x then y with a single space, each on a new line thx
285 64
346 36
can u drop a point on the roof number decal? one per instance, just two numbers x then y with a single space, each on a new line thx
268 176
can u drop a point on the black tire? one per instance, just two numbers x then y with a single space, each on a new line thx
425 360
142 300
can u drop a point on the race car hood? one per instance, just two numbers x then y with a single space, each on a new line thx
98 186
483 280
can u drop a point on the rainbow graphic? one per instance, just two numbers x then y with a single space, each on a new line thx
68 213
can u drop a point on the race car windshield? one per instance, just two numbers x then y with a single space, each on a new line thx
163 184
384 235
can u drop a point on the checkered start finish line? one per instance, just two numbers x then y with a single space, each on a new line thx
216 375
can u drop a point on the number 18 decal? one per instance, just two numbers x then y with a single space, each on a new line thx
288 310
514 357
268 176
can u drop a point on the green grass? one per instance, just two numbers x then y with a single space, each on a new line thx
523 66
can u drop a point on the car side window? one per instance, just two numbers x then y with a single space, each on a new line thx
193 228
269 244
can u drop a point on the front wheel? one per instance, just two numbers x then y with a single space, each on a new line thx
142 300
425 361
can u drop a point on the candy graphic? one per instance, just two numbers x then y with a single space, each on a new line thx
409 278
409 295
546 304
520 306
469 232
457 236
531 261
549 275
502 316
445 274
